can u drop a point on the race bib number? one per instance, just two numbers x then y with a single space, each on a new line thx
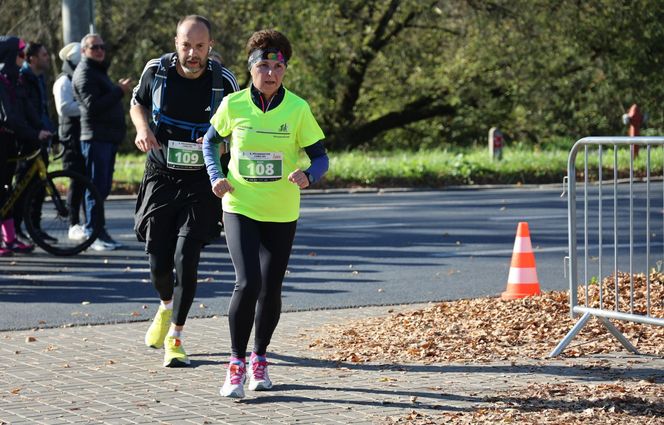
260 166
184 155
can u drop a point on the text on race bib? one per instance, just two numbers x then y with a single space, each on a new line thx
260 166
184 155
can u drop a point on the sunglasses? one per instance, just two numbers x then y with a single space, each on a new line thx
97 47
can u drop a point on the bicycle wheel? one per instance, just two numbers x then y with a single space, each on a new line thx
48 213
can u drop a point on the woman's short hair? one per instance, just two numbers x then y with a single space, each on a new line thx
265 39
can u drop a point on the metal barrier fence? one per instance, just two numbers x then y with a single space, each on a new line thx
635 234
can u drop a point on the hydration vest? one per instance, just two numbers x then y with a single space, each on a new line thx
159 89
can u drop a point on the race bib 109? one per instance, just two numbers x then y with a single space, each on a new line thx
184 155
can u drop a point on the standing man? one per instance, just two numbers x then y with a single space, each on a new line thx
37 64
33 76
103 127
176 211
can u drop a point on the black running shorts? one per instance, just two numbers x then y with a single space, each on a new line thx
170 206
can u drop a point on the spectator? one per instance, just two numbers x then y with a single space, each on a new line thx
37 63
13 127
103 127
69 132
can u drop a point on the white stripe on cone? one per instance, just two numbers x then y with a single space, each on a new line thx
522 275
522 245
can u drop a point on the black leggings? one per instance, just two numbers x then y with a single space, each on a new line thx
184 255
73 160
260 253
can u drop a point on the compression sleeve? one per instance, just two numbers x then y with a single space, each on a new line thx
211 154
320 162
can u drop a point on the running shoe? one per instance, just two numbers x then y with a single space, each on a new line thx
259 380
158 329
174 354
236 375
107 239
21 236
19 247
77 232
100 245
4 252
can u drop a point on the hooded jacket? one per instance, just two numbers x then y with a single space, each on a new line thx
69 121
16 115
100 102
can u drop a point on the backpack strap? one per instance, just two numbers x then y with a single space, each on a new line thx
159 91
217 85
159 85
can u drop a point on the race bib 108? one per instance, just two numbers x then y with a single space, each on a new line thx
260 166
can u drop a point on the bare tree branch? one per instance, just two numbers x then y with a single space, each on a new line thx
417 110
130 30
366 53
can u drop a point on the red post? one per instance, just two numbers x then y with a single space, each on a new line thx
635 122
496 143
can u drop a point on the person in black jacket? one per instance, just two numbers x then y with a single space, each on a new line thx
37 63
103 126
14 126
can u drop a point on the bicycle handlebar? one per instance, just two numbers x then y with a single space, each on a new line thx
35 153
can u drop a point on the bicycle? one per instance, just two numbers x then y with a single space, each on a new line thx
46 213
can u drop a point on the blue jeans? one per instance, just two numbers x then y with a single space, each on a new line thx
99 165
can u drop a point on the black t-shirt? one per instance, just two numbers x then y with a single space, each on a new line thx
183 100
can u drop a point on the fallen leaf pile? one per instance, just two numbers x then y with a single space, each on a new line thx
640 302
620 404
488 329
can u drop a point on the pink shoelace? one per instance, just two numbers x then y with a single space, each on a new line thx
258 369
237 373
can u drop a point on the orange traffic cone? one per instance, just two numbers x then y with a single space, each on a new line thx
522 281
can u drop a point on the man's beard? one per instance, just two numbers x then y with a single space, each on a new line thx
188 69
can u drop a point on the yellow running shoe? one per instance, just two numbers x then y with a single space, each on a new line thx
158 330
174 355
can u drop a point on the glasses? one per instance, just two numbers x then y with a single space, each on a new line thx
97 47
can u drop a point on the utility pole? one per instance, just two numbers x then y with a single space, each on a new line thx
77 19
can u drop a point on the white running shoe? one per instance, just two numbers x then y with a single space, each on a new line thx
77 232
100 245
236 374
259 380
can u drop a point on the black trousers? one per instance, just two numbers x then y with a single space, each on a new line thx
260 253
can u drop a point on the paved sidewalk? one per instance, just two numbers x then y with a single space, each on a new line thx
104 374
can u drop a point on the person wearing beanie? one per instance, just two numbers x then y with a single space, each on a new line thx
17 125
69 131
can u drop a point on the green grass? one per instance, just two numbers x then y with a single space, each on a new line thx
437 168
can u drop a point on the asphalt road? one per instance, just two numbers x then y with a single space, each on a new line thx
351 249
